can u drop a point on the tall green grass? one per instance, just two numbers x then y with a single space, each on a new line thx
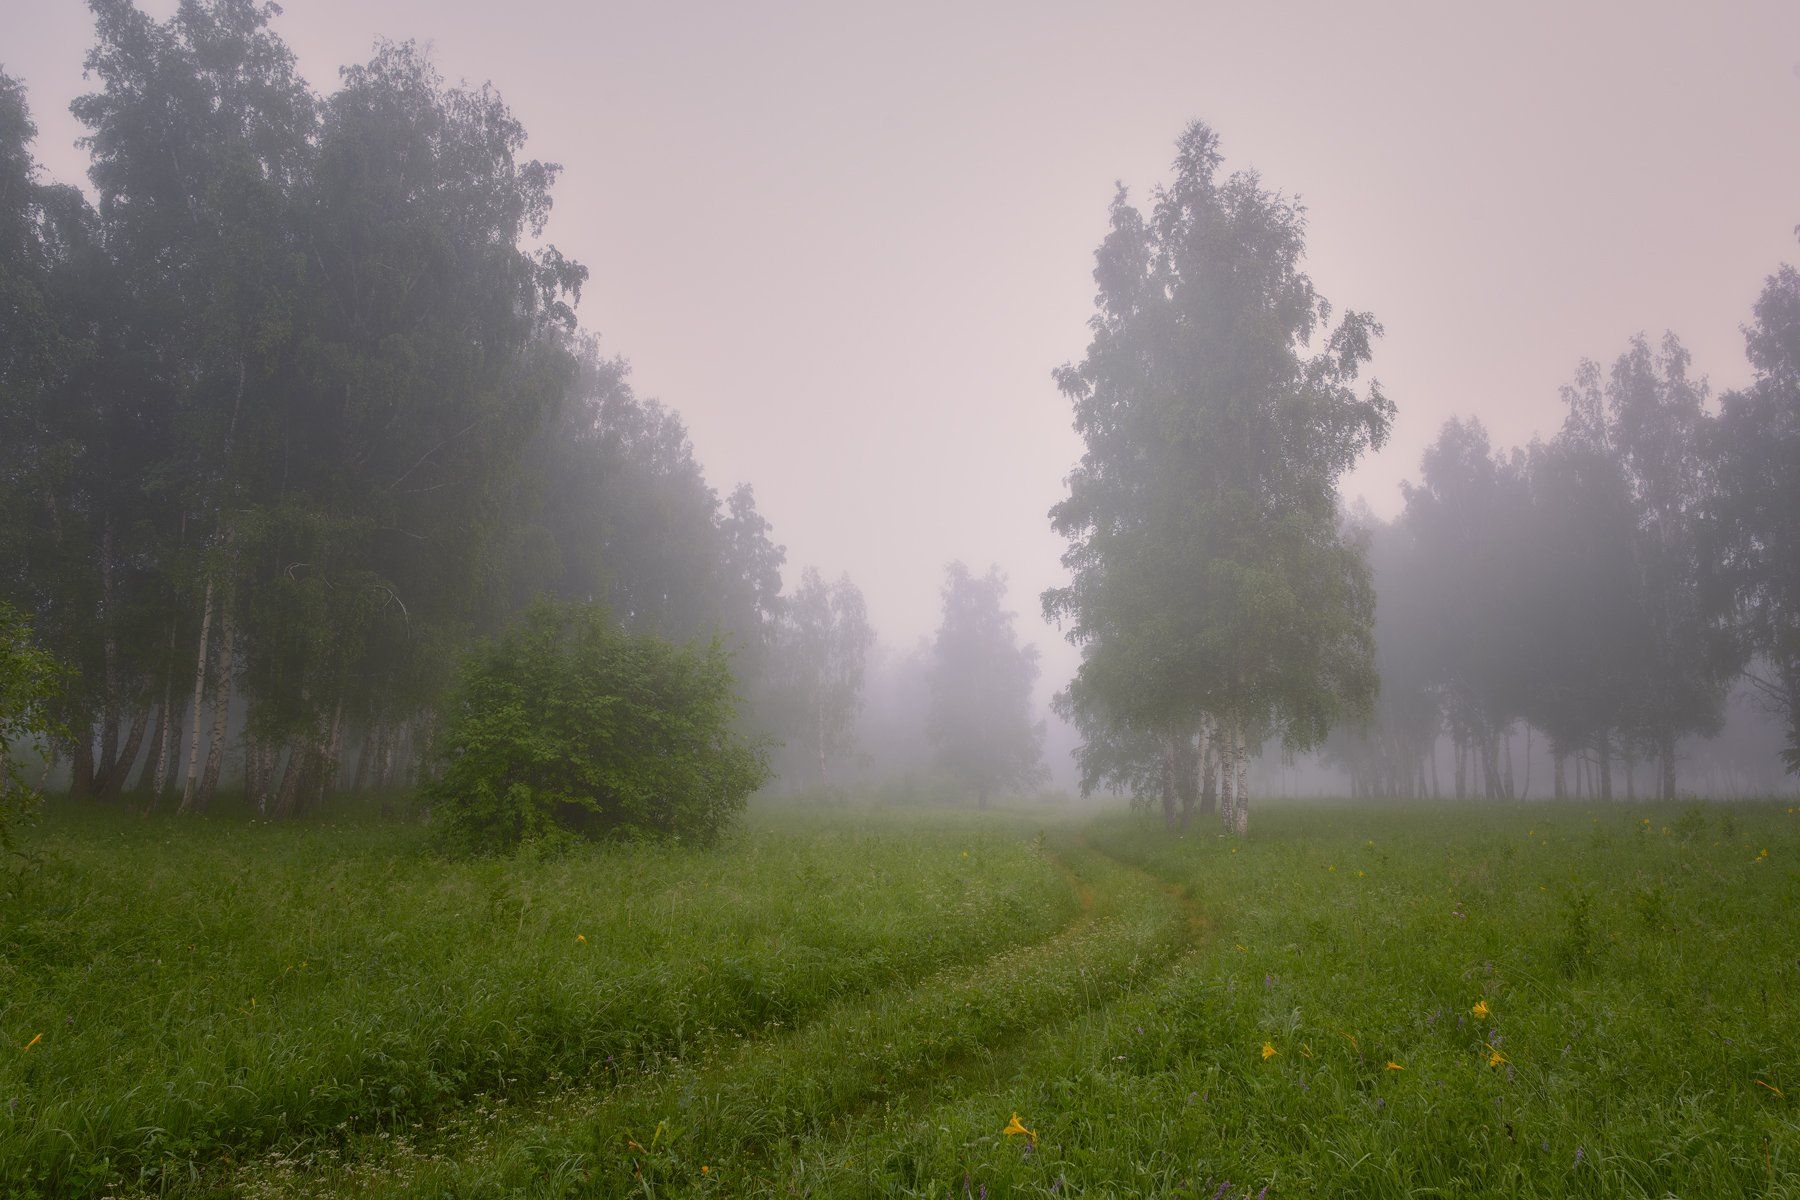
1529 1000
1641 1037
177 995
710 1122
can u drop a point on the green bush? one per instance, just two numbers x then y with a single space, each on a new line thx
568 726
29 680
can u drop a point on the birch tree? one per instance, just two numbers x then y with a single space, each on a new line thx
1219 404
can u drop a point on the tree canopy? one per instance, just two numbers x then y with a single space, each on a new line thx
1209 578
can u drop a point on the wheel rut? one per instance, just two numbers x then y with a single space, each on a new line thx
861 1058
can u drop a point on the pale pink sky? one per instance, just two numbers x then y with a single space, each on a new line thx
849 242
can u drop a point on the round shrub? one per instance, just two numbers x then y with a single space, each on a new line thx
568 726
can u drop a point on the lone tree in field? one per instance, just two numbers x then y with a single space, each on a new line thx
981 679
1211 588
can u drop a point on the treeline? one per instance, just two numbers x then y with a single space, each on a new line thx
298 409
1604 589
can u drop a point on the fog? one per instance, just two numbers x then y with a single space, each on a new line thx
849 244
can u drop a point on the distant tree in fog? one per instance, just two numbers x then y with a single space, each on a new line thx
821 650
1578 601
1389 753
1210 586
1464 522
1661 433
980 721
1567 585
1759 502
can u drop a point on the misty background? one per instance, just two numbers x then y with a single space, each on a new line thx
848 246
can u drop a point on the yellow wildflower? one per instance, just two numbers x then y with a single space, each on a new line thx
1481 1009
1495 1058
1394 1066
705 1170
1771 1087
1269 1051
581 937
34 1041
1015 1127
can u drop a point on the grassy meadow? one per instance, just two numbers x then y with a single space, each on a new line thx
1526 1000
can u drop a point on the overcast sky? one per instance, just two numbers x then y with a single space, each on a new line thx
849 242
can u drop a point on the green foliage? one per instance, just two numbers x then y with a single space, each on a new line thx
1577 944
1758 451
1219 403
568 725
30 680
1127 1031
200 993
299 406
1692 822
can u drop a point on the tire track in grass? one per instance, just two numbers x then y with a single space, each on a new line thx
989 1072
767 1094
382 1161
710 1134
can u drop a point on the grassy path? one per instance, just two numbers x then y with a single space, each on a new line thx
173 1004
720 1120
1523 1001
1542 1001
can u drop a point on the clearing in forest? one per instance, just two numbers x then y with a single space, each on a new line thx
1521 1000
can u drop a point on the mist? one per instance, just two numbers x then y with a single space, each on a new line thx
837 254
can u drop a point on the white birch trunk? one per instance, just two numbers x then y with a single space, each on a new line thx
193 763
215 753
1241 823
1227 775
